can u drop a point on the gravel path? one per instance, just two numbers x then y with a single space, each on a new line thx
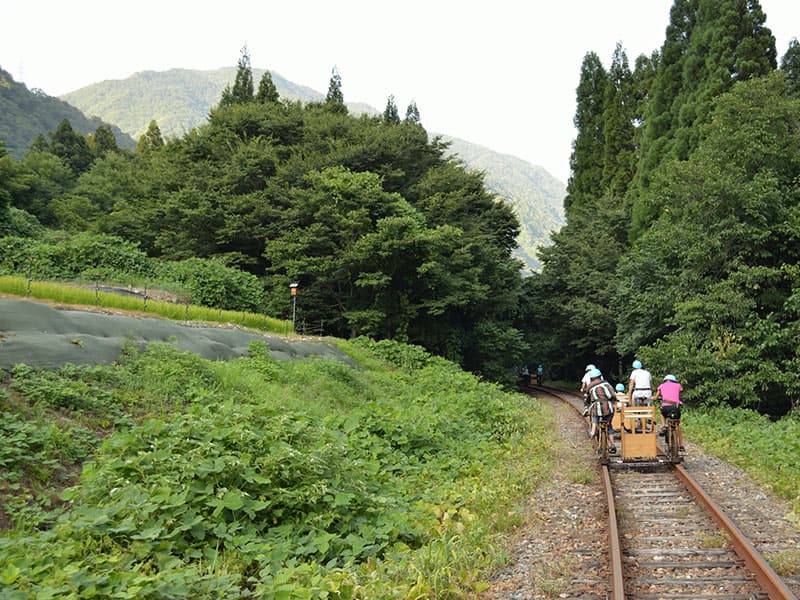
560 549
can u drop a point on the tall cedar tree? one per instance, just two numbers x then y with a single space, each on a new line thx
586 161
242 91
103 141
390 113
790 64
710 45
412 113
267 92
71 147
150 140
334 99
619 155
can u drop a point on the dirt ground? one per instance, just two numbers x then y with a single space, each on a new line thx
44 335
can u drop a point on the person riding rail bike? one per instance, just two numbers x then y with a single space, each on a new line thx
669 393
640 386
585 388
602 398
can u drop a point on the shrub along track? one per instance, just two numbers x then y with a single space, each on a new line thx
669 543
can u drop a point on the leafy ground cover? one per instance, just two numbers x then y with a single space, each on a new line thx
168 475
768 450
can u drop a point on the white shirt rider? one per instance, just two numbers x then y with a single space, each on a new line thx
641 386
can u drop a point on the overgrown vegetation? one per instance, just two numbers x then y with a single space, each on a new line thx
767 450
112 261
279 479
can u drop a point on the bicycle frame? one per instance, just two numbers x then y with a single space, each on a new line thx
673 442
602 440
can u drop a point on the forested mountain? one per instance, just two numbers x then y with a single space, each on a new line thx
537 196
682 242
180 99
25 114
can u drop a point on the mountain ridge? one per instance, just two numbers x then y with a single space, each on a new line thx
26 113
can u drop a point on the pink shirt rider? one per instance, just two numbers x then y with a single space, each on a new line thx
670 392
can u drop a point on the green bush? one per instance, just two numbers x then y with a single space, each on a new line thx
83 256
110 260
211 283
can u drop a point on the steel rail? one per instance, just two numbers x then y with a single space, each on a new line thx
614 547
765 575
767 578
617 579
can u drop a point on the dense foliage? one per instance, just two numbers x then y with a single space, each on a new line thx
220 479
384 235
112 260
681 243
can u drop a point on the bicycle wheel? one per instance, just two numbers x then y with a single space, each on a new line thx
673 442
602 440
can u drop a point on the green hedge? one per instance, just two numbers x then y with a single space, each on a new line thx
113 261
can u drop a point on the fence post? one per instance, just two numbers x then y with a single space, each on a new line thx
30 271
96 288
145 296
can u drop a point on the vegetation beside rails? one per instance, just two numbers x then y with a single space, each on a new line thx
75 295
261 478
769 451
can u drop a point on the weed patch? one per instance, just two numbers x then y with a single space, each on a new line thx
255 477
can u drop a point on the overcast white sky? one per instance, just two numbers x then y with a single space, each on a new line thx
500 73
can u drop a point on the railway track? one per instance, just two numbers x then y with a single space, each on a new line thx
667 539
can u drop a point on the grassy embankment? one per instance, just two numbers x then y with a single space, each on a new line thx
769 451
277 479
74 295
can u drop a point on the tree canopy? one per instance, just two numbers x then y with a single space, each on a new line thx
681 242
385 236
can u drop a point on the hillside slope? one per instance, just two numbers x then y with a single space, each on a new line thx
24 114
537 196
180 99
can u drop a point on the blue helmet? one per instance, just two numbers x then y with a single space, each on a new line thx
595 373
637 364
620 387
588 368
671 378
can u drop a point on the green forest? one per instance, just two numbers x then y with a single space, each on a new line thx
683 222
385 236
166 475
